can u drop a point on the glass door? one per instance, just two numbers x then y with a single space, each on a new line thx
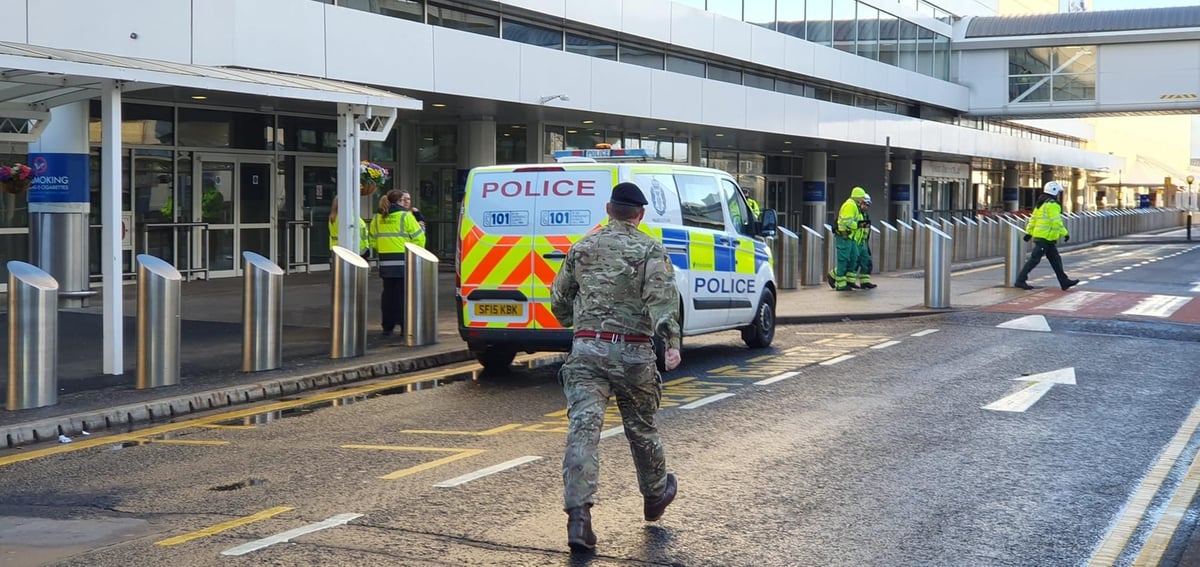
236 200
318 189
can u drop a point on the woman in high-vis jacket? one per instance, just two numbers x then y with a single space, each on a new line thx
1045 228
391 228
364 237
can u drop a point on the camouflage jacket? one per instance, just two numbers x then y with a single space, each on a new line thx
618 280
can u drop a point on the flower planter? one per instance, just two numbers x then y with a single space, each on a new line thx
367 189
15 186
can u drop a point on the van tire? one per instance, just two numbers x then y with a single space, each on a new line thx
495 360
761 330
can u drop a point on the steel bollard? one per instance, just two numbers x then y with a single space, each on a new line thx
262 313
158 318
920 235
349 323
830 249
32 337
889 241
786 247
904 246
420 296
812 257
1014 253
938 250
874 241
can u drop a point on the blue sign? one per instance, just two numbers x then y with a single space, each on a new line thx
901 192
60 183
814 192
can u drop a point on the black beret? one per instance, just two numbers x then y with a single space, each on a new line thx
628 194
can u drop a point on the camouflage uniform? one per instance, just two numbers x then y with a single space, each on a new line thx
615 280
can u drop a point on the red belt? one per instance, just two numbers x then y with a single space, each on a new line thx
612 337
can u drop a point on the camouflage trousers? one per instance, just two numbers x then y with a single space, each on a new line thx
594 370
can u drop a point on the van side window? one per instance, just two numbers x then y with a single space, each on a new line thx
700 199
739 212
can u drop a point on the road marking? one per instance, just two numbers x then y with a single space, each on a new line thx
486 472
1024 399
722 369
1073 301
775 379
1156 544
925 332
612 432
493 431
1126 523
886 345
1195 287
1161 306
706 401
223 526
214 426
256 545
833 361
1028 323
459 454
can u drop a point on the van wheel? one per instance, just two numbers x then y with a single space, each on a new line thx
761 331
495 360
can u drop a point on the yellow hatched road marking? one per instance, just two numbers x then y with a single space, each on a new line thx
215 426
493 431
459 454
723 369
762 358
185 442
224 526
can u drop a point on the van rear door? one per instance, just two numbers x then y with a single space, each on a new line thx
570 203
495 248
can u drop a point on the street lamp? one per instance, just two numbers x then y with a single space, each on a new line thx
1190 179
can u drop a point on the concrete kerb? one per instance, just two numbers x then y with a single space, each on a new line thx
164 408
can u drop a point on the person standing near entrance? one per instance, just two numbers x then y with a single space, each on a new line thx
851 232
750 202
364 236
391 228
617 289
1045 228
866 264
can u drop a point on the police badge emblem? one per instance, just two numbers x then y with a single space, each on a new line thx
658 197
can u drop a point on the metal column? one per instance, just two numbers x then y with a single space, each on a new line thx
262 313
904 245
786 247
830 249
349 304
1014 252
32 337
812 257
158 304
420 296
889 244
938 249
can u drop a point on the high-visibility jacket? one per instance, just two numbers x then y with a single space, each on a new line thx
390 233
849 217
364 236
754 207
1046 222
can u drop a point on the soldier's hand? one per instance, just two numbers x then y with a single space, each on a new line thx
672 358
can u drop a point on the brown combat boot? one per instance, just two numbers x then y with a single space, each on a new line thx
653 509
580 536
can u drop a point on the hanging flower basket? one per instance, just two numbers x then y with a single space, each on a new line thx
15 187
371 177
15 178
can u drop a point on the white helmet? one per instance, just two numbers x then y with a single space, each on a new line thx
1053 189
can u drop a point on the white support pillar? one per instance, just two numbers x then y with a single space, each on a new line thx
110 231
347 197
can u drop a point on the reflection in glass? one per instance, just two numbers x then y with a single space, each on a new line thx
216 192
845 32
465 21
868 32
511 140
257 240
790 16
942 57
1029 88
641 57
686 66
591 47
254 201
725 74
889 34
1074 87
760 13
141 124
437 143
220 250
908 46
533 35
925 47
820 21
14 207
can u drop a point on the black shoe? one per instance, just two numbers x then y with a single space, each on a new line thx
654 510
853 285
1023 285
832 282
847 288
868 285
580 536
1070 284
385 333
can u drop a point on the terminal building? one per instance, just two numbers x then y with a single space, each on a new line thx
240 120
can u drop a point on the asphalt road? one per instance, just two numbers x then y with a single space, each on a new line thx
944 440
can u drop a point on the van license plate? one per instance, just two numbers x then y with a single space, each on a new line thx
499 309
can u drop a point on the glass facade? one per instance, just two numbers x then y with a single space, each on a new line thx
1052 74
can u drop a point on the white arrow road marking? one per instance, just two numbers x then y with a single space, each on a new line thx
775 379
1042 383
706 401
1162 306
291 534
1029 323
485 472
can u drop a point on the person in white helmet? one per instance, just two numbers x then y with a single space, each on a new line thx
1045 228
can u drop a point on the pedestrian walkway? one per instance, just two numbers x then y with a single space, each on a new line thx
211 344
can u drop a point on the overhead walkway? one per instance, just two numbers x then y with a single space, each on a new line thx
1118 62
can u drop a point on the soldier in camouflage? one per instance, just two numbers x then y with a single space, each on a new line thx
617 289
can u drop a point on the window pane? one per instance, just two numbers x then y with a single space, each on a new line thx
1029 88
555 139
842 97
790 17
700 199
868 32
584 139
925 47
908 46
1074 87
511 143
465 21
820 21
437 144
533 35
727 8
942 57
889 33
1029 61
304 134
726 74
225 129
591 47
1075 59
845 31
759 81
760 13
141 125
789 87
685 66
639 56
413 10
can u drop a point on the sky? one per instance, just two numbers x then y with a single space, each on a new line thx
1131 4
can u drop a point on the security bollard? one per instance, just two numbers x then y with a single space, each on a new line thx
904 245
830 249
889 242
939 247
920 234
813 257
32 337
158 316
874 241
1189 226
420 296
262 314
786 248
349 324
1014 252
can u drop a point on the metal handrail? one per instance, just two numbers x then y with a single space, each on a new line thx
305 228
175 228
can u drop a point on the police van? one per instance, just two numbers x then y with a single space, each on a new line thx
518 222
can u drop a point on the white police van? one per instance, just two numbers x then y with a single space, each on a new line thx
518 222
